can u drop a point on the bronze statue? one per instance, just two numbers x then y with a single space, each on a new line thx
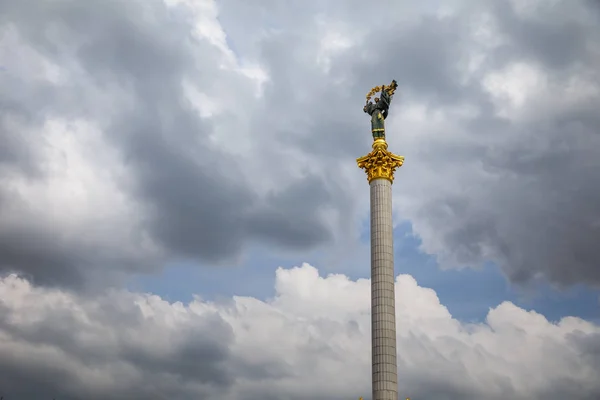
379 110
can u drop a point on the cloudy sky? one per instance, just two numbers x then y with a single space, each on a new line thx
181 215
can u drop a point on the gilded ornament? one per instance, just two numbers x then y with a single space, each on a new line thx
380 163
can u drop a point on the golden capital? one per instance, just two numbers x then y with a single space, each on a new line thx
380 163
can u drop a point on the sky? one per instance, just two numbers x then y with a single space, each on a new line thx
182 217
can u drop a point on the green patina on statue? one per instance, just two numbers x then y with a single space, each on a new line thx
379 110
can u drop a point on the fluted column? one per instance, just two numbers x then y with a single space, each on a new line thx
380 165
383 311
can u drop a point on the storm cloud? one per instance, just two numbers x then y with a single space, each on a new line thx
139 133
121 97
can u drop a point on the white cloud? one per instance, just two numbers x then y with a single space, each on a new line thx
310 341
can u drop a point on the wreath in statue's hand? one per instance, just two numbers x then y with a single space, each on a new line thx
390 89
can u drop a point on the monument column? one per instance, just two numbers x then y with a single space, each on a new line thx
380 165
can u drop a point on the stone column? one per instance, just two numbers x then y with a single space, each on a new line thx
383 311
380 165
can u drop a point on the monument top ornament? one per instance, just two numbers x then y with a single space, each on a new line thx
380 163
379 110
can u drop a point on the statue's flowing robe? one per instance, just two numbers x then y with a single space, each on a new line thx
378 113
377 124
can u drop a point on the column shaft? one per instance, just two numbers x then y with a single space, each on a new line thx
383 311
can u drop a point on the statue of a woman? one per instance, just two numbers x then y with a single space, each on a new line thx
379 110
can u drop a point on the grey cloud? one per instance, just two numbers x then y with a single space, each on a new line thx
200 356
293 211
538 213
556 39
194 200
588 347
140 352
194 209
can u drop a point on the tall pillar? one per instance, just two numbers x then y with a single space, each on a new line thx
380 165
